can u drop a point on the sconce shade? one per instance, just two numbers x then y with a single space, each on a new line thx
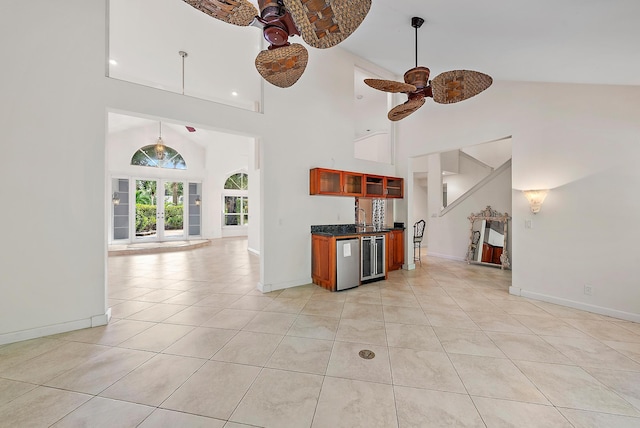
536 198
116 199
198 200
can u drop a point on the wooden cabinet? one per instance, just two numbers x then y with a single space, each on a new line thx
323 261
334 182
323 256
377 186
394 187
374 186
352 183
395 249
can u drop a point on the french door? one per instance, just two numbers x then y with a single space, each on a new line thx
155 210
159 210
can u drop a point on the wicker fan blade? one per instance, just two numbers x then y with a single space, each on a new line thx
404 110
458 85
283 66
237 12
390 85
325 23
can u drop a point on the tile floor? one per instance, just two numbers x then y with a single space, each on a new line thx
192 343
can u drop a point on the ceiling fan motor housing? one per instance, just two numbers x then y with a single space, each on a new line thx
417 76
278 24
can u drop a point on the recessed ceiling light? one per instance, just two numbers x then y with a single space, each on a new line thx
234 93
359 96
113 62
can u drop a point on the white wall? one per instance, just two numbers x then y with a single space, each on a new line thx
53 120
578 140
53 112
469 174
448 236
375 147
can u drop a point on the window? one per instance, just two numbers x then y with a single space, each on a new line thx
236 201
239 181
148 156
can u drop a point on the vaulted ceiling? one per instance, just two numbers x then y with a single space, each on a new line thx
568 41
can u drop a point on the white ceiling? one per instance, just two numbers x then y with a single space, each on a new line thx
577 41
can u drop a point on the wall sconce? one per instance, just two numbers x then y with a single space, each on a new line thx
198 200
536 198
116 199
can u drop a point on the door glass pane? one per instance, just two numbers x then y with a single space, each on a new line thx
146 208
195 202
173 209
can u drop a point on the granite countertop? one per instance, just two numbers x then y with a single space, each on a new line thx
349 229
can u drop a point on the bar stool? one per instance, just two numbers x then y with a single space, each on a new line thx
418 233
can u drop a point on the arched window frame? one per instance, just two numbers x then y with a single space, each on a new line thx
235 203
148 156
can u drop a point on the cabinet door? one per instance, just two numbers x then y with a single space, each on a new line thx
374 186
394 187
352 183
325 182
323 261
395 249
390 251
398 248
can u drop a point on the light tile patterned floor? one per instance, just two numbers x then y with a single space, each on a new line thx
192 343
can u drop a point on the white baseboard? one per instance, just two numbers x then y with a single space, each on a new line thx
409 266
252 251
628 316
33 333
99 320
266 288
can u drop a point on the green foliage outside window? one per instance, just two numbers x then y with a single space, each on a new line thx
146 218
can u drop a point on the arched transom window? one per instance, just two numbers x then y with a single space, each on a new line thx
150 156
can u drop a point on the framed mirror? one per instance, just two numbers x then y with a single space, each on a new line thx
488 238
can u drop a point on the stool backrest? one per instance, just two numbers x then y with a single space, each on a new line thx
418 229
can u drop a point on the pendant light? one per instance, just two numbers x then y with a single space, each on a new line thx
160 145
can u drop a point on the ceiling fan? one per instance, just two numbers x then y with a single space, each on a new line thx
321 23
446 88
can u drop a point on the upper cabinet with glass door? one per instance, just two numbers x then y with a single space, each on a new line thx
334 182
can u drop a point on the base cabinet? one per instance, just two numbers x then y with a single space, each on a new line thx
384 253
395 249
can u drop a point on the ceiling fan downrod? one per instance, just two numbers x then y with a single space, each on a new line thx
416 22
